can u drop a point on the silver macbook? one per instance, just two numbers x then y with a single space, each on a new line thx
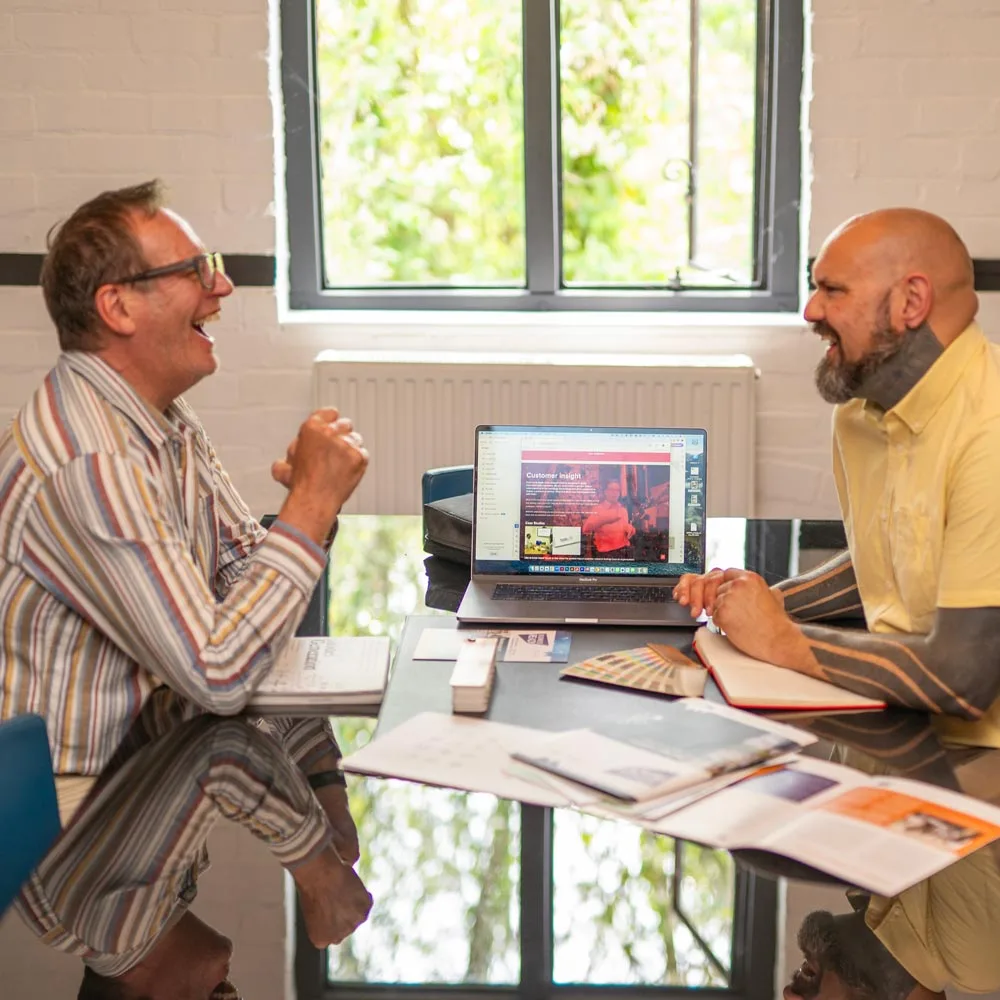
585 525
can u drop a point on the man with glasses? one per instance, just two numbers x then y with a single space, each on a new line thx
141 603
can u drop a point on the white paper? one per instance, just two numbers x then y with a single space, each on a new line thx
456 752
515 645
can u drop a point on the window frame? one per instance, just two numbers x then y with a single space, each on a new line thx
778 155
753 949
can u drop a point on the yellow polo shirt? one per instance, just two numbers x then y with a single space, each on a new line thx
919 490
944 930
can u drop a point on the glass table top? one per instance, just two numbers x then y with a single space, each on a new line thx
451 861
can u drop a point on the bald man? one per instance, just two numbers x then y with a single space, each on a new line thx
916 456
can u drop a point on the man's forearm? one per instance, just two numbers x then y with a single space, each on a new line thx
829 591
955 670
898 742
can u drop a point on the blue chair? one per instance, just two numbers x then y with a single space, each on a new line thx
29 815
451 481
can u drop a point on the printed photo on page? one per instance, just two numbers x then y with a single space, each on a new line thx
536 647
516 645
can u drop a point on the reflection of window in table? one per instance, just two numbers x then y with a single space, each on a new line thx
478 892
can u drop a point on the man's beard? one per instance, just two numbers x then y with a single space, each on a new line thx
839 380
848 948
821 938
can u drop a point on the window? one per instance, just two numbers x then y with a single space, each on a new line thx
479 898
543 154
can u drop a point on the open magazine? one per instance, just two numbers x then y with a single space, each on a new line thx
700 741
881 833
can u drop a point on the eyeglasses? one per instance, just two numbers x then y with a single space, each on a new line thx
205 265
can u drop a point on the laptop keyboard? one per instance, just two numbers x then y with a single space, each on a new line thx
605 595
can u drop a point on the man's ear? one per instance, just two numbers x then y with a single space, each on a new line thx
917 300
113 308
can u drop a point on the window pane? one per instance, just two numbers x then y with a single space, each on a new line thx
444 870
726 542
614 920
421 148
376 575
628 154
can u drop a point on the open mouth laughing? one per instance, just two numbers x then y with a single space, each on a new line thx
199 325
829 337
805 982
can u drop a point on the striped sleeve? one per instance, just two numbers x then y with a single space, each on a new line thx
828 592
955 670
106 543
306 741
239 532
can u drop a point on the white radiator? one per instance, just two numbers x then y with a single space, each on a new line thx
421 415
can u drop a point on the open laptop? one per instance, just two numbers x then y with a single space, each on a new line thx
585 525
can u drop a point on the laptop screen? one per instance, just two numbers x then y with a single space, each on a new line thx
594 501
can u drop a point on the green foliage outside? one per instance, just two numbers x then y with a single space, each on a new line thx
422 153
444 867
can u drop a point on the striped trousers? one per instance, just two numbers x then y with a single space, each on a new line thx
126 867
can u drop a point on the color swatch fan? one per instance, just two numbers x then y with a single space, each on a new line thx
656 669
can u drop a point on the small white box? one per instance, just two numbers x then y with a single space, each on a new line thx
472 678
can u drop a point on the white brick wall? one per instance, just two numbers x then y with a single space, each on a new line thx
98 93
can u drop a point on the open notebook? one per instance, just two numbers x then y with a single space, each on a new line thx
749 683
326 676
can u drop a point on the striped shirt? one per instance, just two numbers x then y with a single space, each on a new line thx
128 561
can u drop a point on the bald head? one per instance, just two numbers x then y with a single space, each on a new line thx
895 246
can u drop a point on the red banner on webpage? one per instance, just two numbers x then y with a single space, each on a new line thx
618 457
596 510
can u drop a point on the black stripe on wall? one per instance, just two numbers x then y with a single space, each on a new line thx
987 275
258 270
246 269
986 269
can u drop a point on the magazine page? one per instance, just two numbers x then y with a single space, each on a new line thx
901 831
717 738
696 742
617 769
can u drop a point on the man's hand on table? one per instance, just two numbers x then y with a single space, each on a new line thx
751 613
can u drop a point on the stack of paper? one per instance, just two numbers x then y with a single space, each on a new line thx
472 678
326 676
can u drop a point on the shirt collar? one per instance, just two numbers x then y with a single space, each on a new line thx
157 427
920 404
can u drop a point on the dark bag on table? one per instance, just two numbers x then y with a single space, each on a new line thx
448 529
